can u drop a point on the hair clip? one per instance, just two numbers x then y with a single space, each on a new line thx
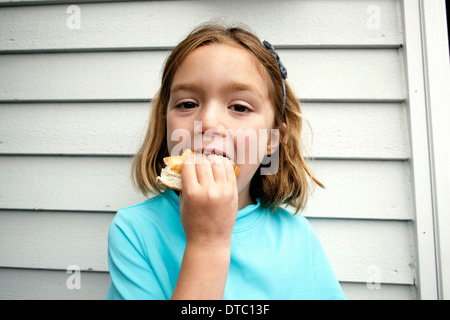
282 68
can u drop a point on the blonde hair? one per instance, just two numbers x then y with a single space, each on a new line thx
291 184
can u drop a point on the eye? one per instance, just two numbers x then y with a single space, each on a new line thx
186 105
239 108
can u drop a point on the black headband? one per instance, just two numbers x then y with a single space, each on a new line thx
283 70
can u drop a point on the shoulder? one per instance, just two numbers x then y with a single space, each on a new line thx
305 241
154 211
150 204
294 228
145 223
294 221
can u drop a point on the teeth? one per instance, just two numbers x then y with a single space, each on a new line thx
206 153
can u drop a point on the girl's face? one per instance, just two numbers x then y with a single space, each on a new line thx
219 103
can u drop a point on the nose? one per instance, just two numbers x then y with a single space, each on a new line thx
213 120
210 128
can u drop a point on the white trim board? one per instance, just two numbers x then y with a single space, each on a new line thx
437 82
427 72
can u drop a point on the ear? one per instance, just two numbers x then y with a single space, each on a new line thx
276 136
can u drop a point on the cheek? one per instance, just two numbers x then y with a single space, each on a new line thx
170 128
178 137
250 155
251 146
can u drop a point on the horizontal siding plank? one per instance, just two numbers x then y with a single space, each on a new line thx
354 189
73 128
32 284
115 75
340 74
362 251
339 130
66 183
356 130
146 23
360 291
57 240
357 189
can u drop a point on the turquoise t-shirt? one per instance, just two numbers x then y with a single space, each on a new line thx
274 255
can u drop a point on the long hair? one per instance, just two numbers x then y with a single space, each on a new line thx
292 182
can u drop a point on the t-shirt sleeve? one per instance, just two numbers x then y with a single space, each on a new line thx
132 276
326 285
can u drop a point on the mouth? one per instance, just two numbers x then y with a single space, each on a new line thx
217 152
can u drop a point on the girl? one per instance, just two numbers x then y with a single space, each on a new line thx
222 236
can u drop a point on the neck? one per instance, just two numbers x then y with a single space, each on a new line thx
244 198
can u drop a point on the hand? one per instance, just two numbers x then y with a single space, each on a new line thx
209 200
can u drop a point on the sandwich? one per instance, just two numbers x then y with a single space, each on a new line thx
171 173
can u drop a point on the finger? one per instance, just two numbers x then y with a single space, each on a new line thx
218 167
229 171
188 172
203 170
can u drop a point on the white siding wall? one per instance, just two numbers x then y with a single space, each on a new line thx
74 106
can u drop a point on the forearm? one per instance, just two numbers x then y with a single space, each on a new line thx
208 210
203 273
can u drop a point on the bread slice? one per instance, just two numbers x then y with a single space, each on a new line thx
171 174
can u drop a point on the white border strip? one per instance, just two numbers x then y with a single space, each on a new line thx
420 160
437 81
